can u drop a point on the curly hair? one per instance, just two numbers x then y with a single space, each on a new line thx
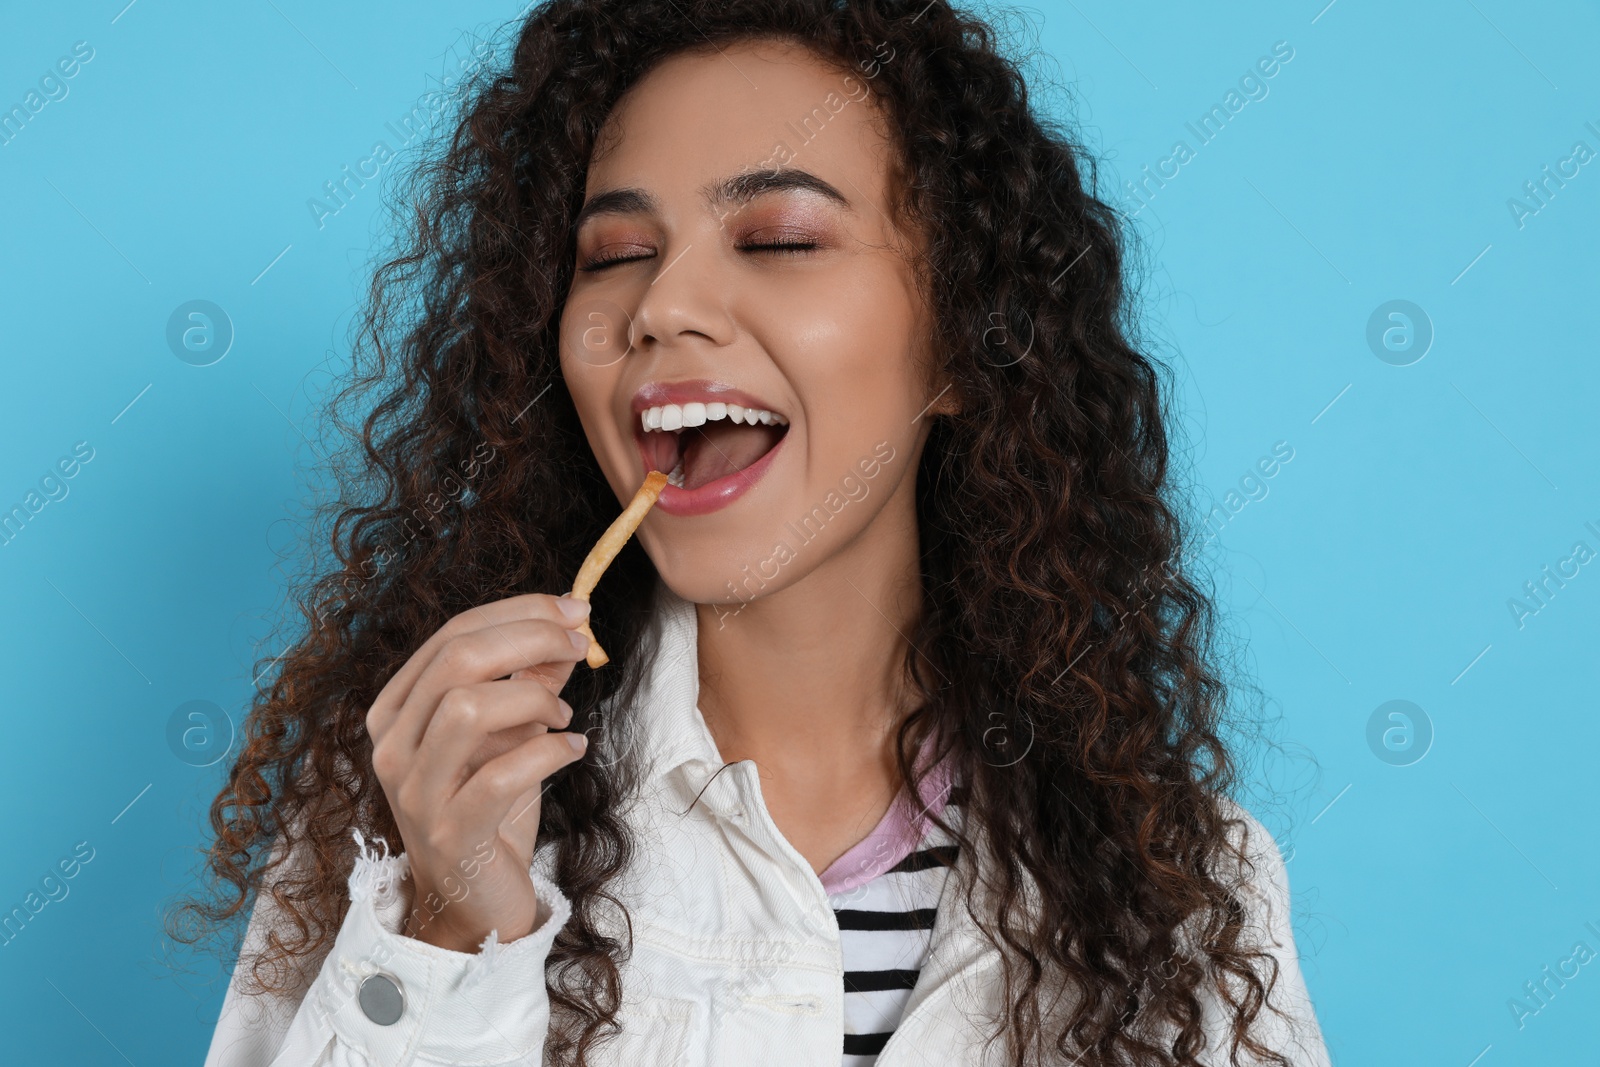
1065 651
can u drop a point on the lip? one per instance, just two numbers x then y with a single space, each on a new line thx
714 495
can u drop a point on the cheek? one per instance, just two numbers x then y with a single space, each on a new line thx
589 378
860 326
593 340
861 380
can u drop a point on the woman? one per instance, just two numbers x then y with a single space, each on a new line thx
820 263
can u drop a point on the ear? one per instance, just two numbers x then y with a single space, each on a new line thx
945 401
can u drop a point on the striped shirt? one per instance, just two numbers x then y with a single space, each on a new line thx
885 893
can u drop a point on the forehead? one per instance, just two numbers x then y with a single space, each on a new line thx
751 105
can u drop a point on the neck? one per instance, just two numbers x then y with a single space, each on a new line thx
809 681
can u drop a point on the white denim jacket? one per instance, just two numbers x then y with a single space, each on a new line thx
736 954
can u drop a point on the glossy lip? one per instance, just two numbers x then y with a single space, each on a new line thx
714 495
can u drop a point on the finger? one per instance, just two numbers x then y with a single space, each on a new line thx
479 656
504 780
391 698
553 676
520 827
463 722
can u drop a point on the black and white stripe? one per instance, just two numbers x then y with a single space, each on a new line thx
885 927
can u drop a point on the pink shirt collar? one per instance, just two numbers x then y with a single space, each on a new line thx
895 837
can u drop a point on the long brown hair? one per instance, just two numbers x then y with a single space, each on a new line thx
1067 652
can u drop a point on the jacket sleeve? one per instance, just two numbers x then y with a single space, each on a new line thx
1288 1024
485 1008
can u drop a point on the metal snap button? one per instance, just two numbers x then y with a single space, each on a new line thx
381 999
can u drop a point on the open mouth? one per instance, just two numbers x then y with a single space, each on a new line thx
700 443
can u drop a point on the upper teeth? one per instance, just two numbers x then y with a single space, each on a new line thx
679 416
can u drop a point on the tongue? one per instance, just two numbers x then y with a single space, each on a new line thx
718 449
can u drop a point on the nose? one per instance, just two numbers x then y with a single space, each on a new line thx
686 301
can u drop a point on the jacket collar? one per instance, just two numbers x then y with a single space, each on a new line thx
665 723
676 749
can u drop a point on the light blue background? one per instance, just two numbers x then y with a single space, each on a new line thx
1379 565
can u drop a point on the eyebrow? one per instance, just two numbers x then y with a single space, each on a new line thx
739 189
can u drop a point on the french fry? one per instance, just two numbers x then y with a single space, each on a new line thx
605 550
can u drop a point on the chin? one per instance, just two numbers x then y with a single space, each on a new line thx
733 568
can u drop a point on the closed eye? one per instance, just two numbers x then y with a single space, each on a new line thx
603 262
779 247
789 247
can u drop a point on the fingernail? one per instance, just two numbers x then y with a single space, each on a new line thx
580 640
566 710
573 608
578 741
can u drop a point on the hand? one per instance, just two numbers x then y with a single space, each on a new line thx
462 744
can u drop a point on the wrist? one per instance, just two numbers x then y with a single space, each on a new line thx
432 927
439 935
